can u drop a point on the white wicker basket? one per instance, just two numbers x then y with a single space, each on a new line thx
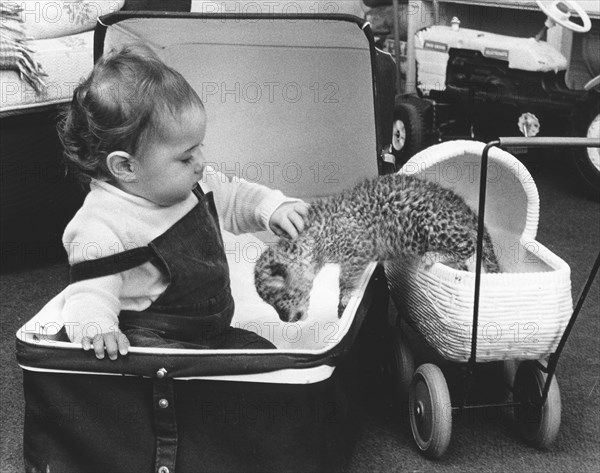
524 309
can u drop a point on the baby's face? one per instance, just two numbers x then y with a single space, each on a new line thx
171 162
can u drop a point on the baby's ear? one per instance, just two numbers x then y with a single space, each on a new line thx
122 166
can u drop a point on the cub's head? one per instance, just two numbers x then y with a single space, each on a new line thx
283 277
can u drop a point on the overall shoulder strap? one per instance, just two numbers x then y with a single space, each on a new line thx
113 264
198 192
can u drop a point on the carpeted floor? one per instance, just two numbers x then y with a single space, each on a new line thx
483 440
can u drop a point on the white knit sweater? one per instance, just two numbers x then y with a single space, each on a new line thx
111 221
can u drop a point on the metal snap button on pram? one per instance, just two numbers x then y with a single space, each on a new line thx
163 403
161 373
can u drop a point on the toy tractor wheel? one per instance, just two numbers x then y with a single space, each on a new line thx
408 132
402 365
430 410
587 161
538 424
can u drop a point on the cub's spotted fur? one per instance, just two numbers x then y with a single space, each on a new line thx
389 217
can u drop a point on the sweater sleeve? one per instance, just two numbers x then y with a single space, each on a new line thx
91 306
242 206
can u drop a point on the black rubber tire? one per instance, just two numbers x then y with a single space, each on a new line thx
411 118
587 172
430 410
402 365
539 425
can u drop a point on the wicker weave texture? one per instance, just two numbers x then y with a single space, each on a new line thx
523 310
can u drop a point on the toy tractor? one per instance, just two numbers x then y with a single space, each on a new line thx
481 85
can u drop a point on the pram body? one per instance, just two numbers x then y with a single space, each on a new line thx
291 103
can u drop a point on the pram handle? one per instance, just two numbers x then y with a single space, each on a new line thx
543 141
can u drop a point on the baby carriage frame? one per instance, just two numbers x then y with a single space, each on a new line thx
281 92
535 393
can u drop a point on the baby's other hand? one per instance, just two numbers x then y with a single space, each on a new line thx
114 342
289 218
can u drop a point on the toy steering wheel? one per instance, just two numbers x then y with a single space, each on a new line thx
559 12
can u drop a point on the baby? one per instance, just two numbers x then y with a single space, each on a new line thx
148 266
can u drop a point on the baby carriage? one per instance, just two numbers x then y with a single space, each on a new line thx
282 95
520 315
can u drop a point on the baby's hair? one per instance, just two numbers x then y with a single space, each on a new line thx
118 106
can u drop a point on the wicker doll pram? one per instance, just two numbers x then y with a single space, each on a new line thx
524 309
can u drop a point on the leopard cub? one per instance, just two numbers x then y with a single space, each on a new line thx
390 217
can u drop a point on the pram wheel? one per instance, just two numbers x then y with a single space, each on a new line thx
538 424
402 365
430 410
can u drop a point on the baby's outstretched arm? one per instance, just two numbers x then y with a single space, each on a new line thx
245 207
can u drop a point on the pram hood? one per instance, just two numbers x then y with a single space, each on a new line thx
512 200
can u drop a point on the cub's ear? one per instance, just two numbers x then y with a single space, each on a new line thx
272 275
274 282
276 275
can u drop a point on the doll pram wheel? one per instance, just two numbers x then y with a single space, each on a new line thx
430 410
401 364
539 424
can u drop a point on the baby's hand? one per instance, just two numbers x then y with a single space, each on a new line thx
289 218
114 342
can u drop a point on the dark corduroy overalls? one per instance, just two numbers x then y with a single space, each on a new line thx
196 309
